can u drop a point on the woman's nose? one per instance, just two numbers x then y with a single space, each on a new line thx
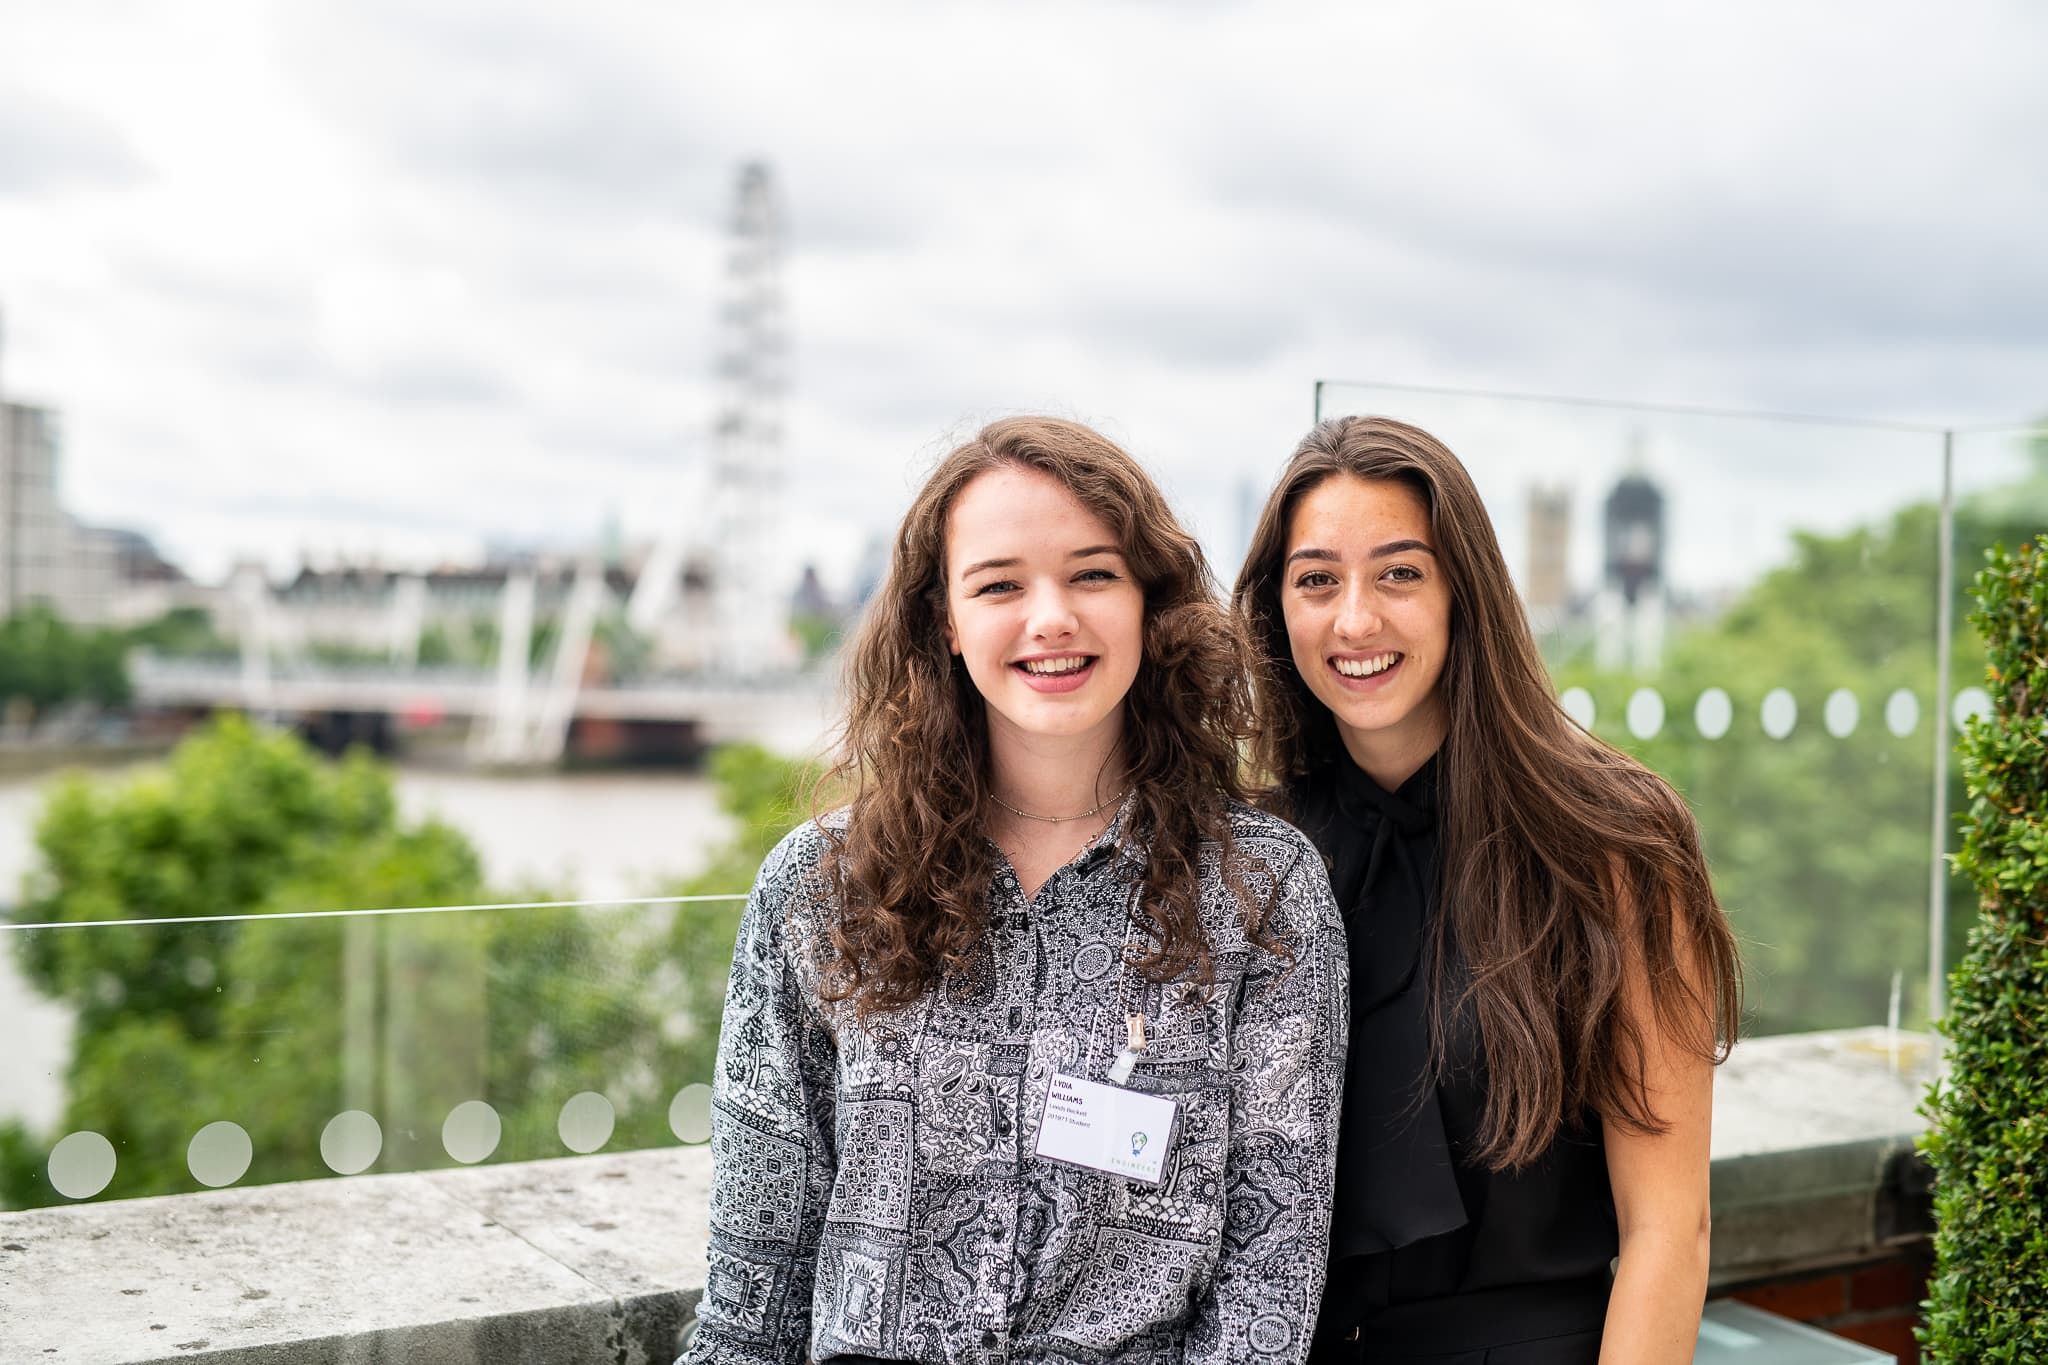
1358 616
1052 615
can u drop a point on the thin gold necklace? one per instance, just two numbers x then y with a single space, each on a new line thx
1096 809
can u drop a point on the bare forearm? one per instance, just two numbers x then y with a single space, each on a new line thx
1653 1316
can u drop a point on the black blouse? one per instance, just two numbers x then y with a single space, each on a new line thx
1417 1217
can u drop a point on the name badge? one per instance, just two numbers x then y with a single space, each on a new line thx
1106 1128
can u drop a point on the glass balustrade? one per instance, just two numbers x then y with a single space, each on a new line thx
255 1048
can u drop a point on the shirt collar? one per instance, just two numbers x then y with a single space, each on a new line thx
1115 843
1114 846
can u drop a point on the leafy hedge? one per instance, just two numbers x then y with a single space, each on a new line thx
1989 1138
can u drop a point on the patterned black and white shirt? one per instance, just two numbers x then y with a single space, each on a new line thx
875 1187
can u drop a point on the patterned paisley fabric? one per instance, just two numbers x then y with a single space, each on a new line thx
876 1191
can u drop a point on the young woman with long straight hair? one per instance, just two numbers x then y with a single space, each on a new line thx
1542 978
1033 1051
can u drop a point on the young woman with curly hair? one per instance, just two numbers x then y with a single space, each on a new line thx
1542 979
1032 1052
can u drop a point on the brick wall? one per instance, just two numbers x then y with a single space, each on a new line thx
1874 1302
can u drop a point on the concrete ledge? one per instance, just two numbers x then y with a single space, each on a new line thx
602 1258
585 1259
1813 1151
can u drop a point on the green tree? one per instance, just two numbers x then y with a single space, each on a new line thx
182 632
767 795
818 635
45 662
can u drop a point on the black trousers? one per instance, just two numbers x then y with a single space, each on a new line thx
1553 1324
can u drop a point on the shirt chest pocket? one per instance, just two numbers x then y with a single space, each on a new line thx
1186 1059
1185 1051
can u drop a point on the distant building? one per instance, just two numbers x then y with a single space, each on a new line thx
810 598
1633 603
359 606
135 557
98 575
1634 538
372 609
46 557
1549 591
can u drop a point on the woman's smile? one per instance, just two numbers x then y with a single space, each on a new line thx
1057 672
1362 674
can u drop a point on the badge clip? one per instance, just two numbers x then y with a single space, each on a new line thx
1134 1043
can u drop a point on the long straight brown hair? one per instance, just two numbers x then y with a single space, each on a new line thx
1566 865
910 872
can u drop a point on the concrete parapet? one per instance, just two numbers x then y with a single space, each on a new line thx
586 1259
1813 1150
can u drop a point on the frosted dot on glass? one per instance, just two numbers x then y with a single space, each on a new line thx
1841 713
1902 713
1713 713
1972 703
1645 712
1578 704
219 1154
586 1122
81 1165
350 1142
471 1131
1780 713
689 1113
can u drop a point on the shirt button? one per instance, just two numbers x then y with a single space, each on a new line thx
988 1338
1351 1335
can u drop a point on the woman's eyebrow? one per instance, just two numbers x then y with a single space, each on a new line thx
1395 547
1392 547
1012 561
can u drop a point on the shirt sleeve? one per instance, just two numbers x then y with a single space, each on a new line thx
1287 1079
772 1145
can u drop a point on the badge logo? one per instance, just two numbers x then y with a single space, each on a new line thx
1138 1141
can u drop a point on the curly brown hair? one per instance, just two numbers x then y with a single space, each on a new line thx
1565 862
909 869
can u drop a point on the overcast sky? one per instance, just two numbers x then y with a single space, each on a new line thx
406 276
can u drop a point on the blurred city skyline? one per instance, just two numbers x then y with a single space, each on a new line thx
349 282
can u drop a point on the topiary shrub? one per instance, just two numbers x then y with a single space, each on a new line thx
1988 1142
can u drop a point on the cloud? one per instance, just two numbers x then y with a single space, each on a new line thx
1842 182
466 261
47 147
